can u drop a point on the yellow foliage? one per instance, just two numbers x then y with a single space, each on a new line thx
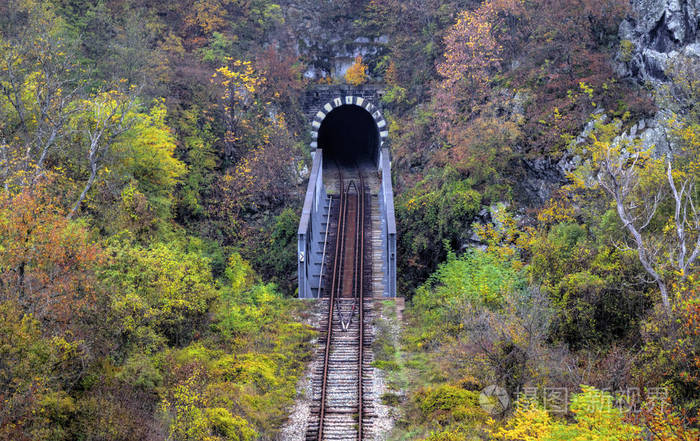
556 211
530 422
208 15
687 136
239 273
610 157
357 73
239 80
597 419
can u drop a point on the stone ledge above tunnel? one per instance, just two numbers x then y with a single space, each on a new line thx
317 96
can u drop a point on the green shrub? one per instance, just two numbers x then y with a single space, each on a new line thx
233 428
140 371
158 291
476 278
441 402
433 217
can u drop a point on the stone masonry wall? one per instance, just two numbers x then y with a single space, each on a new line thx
317 96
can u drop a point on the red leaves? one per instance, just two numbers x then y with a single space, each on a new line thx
283 74
46 261
472 54
550 47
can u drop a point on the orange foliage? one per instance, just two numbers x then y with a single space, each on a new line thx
472 54
391 76
46 261
664 423
471 48
552 46
282 72
357 73
208 15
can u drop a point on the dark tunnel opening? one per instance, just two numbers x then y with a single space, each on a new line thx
349 136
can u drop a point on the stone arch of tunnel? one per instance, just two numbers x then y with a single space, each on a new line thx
349 130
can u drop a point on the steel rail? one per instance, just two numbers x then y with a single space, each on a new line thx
329 332
357 285
341 266
361 275
345 324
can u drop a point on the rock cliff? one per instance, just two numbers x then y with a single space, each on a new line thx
655 33
329 37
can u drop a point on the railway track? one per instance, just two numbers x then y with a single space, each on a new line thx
342 408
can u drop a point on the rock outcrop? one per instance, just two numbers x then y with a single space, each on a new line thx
657 32
329 37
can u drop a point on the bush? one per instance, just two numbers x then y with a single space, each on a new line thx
158 292
596 419
477 278
433 217
446 402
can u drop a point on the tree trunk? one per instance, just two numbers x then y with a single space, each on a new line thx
88 185
642 252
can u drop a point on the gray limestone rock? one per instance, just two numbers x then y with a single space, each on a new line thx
329 38
656 32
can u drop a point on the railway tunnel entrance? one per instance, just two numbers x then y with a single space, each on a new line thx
347 258
349 154
349 135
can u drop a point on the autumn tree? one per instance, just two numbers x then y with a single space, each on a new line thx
283 74
39 81
259 138
472 53
116 139
101 121
47 262
208 15
240 84
671 356
145 153
508 41
357 73
665 422
638 184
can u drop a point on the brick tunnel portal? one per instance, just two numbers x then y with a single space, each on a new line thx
349 136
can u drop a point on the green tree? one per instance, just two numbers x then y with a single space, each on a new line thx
159 292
